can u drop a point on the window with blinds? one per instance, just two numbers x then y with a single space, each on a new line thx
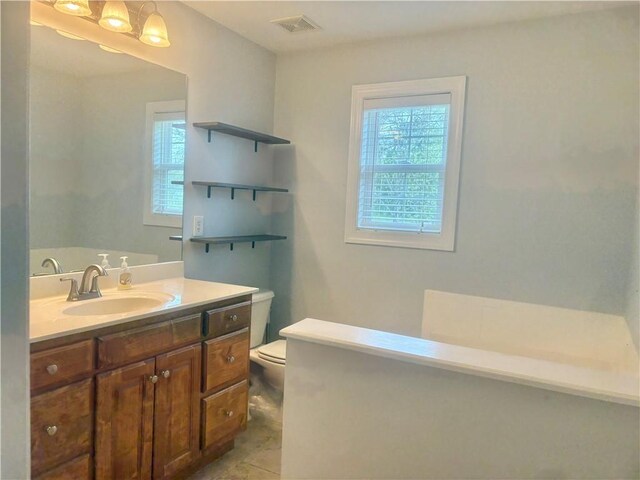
165 133
168 162
404 163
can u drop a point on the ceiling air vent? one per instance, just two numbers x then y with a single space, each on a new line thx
296 24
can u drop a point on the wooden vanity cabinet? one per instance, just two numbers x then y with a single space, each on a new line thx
149 410
147 400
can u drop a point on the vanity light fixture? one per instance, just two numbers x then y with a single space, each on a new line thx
78 8
154 32
115 17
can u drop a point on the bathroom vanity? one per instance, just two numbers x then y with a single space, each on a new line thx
146 394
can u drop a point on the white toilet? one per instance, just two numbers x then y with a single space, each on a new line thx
270 356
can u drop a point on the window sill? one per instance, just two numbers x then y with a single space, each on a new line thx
421 241
168 221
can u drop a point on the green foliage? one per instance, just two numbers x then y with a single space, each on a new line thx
403 158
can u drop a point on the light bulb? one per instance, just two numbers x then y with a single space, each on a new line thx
154 32
79 8
115 17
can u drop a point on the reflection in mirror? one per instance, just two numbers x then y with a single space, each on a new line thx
107 134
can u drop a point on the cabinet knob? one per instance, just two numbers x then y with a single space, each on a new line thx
52 369
166 373
231 359
51 430
233 318
153 378
228 413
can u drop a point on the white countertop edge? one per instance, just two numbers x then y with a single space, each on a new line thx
596 384
138 315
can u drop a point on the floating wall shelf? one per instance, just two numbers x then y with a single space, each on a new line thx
234 187
227 129
237 239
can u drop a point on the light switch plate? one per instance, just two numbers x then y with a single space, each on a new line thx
198 226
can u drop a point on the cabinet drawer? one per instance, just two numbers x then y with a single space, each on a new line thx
61 425
77 469
61 364
226 320
224 414
145 342
226 360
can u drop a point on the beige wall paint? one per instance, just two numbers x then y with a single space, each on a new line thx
14 324
548 184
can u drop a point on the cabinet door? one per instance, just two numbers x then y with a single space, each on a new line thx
177 412
124 422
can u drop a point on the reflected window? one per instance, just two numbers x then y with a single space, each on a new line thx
166 129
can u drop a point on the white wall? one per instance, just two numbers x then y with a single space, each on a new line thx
548 183
352 415
230 79
14 324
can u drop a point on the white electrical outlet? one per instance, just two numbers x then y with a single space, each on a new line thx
198 226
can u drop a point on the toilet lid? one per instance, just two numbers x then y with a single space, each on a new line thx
275 351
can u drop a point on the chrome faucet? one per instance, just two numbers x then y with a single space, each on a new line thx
50 261
85 291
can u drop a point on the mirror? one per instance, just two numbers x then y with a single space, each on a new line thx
107 135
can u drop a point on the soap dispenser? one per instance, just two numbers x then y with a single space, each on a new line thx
105 260
124 279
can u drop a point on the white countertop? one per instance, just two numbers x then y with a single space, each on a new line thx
47 319
585 382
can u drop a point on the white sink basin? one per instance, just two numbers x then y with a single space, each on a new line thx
115 305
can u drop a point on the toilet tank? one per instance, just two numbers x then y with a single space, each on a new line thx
260 307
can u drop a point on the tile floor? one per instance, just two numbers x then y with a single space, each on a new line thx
256 455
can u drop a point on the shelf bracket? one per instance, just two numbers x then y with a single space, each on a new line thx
209 135
254 195
206 248
233 194
209 191
231 247
253 244
255 146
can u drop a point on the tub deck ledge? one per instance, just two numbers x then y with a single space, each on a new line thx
586 382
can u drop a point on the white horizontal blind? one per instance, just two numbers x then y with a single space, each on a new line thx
402 163
168 162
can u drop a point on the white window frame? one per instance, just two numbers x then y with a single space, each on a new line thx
149 217
445 240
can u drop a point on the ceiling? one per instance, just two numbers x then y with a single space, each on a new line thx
356 21
79 58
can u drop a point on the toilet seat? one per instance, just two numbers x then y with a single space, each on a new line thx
275 352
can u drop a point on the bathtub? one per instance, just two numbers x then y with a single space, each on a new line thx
570 337
496 390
